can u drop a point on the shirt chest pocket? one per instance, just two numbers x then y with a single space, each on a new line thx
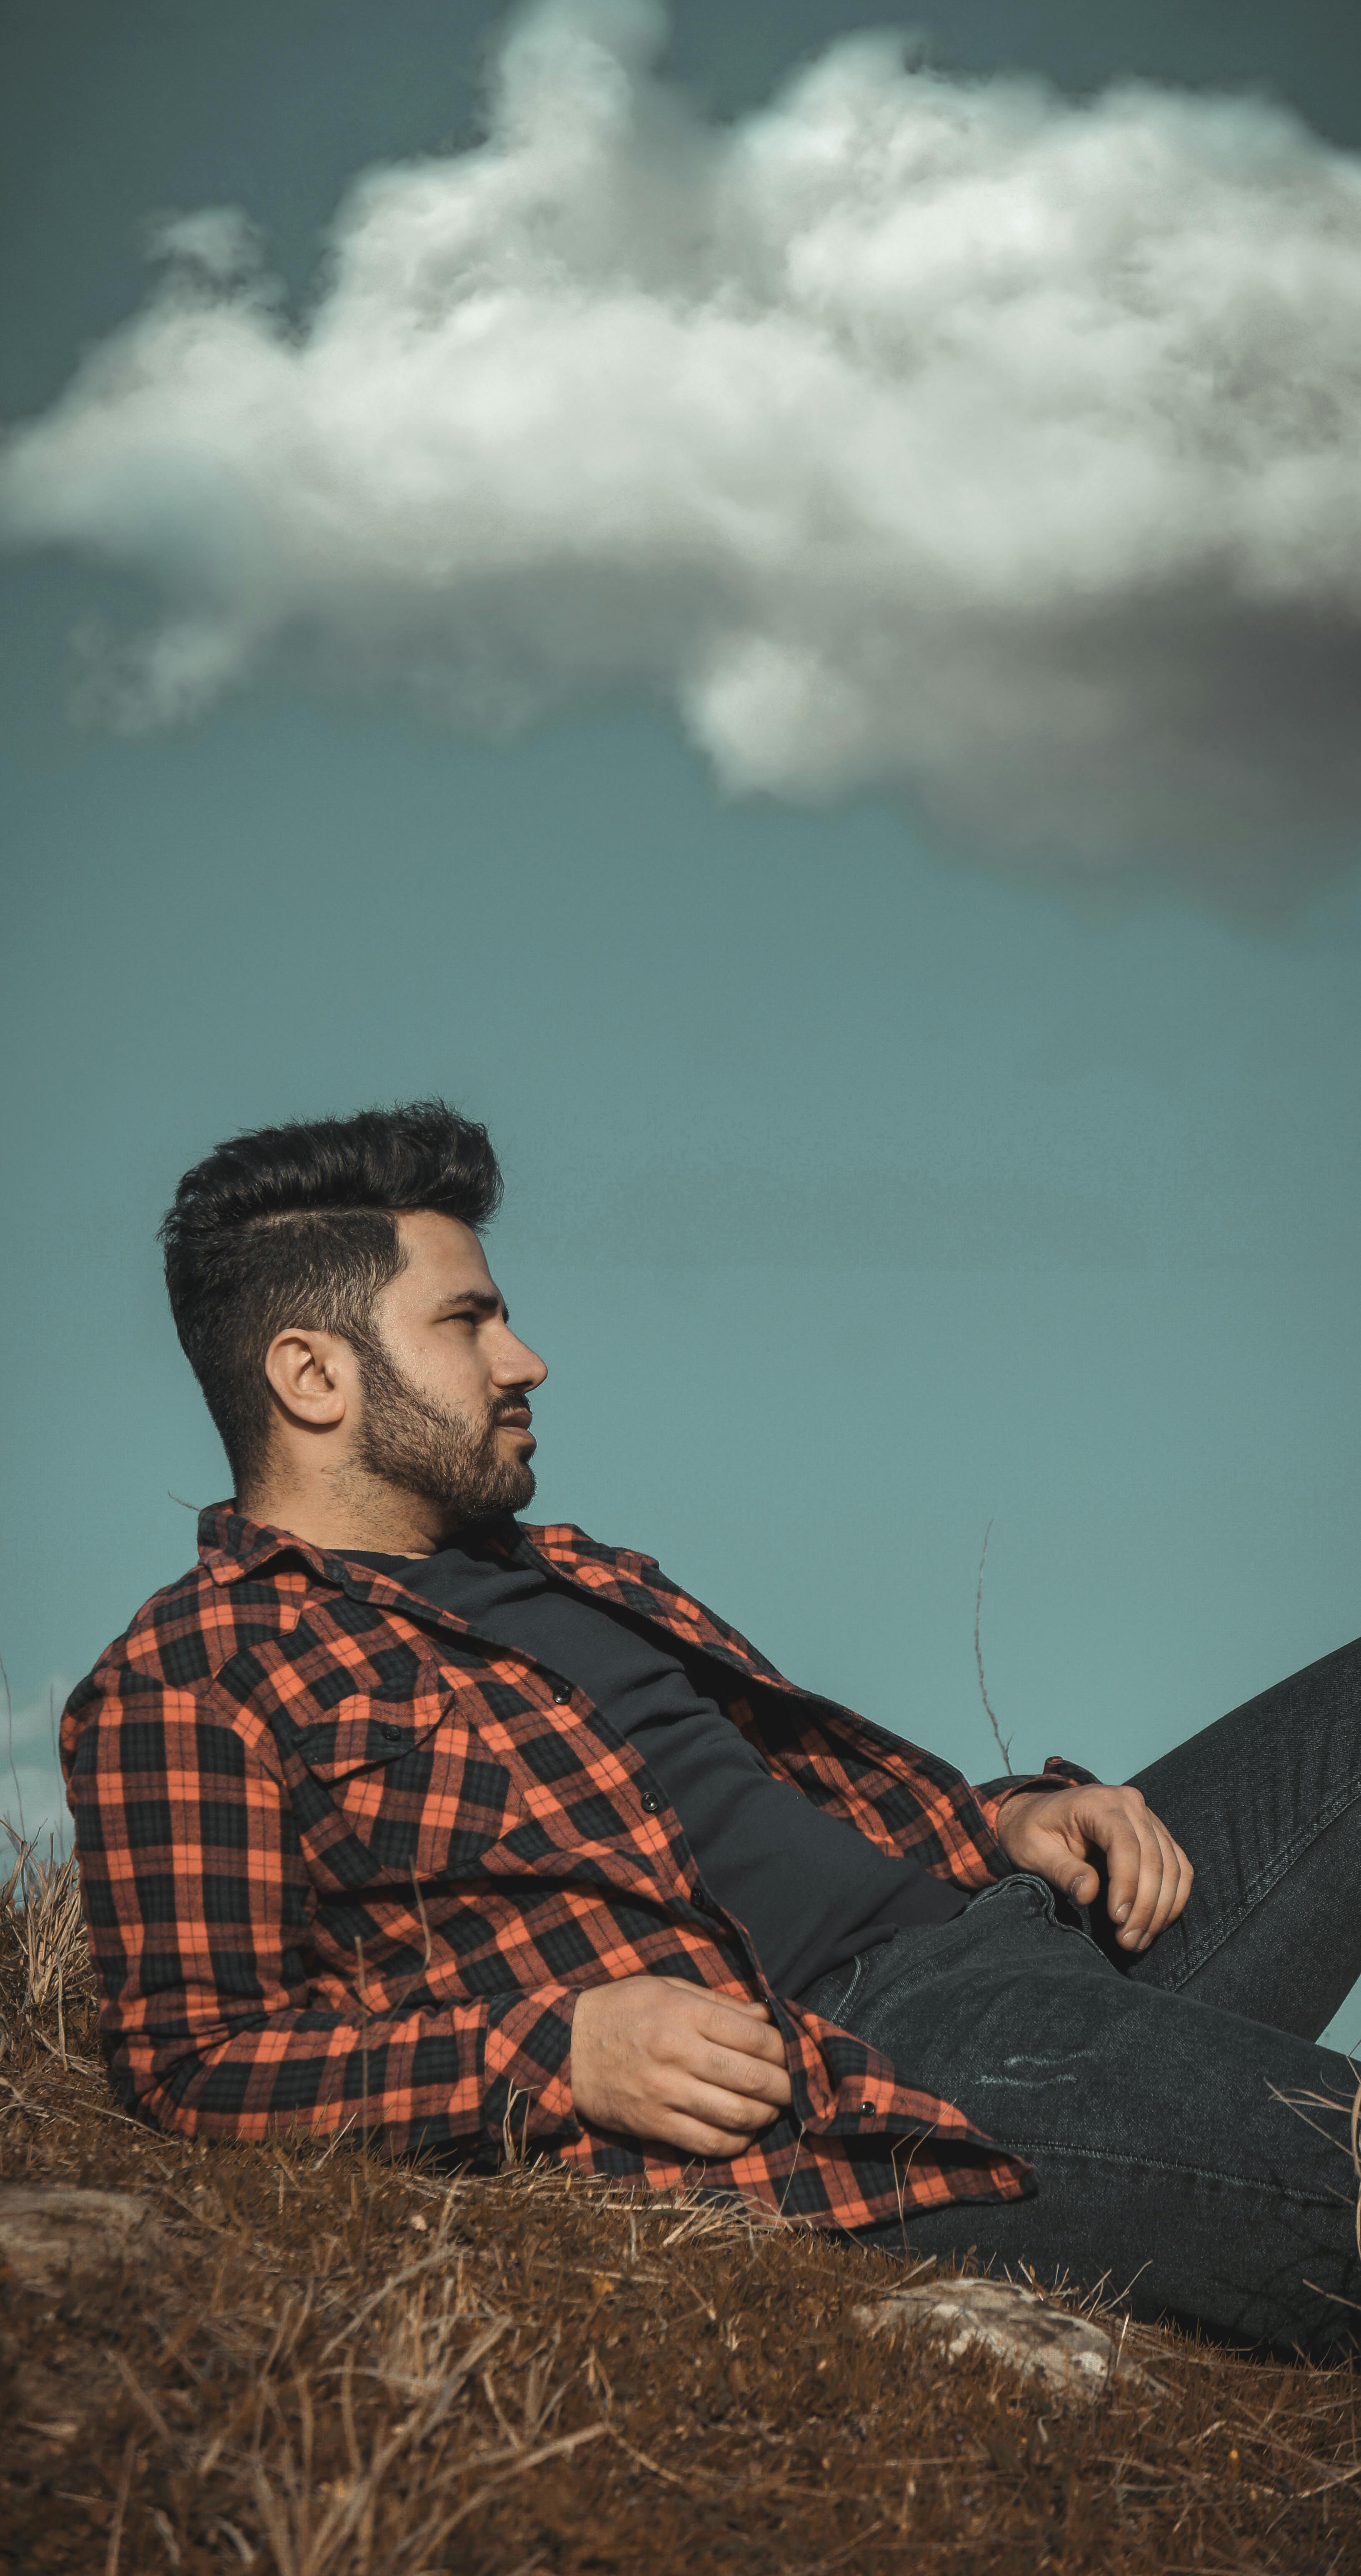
385 1789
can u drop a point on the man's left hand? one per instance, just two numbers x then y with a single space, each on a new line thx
1062 1835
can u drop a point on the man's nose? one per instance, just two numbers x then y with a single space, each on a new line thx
520 1366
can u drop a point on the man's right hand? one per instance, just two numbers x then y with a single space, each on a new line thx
665 2060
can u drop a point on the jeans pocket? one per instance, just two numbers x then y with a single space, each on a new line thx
832 1994
1056 1908
1024 1882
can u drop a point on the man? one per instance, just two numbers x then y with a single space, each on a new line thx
400 1816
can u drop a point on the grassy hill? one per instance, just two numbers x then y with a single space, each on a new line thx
308 2362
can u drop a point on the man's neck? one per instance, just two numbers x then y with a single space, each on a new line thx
358 1514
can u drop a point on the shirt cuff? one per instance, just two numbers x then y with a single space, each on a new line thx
527 2089
1058 1773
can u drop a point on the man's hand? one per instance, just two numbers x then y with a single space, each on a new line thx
664 2060
1061 1833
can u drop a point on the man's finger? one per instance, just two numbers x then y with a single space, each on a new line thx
708 2056
696 2138
1167 1893
1145 1916
750 2006
751 2078
696 2099
1134 1932
1174 1890
1124 1862
749 2038
1158 1863
1185 1880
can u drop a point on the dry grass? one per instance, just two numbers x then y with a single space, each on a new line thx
40 1908
341 2368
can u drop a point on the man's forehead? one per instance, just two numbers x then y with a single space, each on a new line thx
442 1254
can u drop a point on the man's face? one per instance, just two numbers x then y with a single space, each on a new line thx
445 1382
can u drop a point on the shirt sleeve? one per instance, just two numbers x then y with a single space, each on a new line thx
199 1910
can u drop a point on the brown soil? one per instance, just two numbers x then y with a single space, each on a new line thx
315 2364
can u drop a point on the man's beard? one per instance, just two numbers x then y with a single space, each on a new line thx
409 1441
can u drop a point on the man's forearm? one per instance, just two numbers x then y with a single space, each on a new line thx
444 2076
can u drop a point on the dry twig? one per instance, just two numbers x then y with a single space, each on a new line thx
1003 1749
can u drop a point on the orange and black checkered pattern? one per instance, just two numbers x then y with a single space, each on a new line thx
345 1865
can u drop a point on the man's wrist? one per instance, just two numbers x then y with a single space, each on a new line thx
1012 1813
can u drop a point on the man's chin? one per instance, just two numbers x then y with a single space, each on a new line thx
512 1489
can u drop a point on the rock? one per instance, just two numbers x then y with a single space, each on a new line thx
1074 2357
50 2234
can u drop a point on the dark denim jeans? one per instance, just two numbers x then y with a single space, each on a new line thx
1145 2092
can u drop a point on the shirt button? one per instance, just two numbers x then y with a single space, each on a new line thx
867 2110
390 1734
561 1691
650 1802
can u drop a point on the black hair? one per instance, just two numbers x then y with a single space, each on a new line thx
297 1225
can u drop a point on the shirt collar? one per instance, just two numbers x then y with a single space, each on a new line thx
232 1546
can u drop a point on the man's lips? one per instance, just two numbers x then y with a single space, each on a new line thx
518 1419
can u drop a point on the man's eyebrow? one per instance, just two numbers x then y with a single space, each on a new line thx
485 1300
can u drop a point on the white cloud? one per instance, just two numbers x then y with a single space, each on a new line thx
916 435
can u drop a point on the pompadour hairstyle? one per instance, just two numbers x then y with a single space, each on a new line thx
297 1226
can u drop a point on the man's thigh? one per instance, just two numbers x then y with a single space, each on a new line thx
1267 1802
1165 2161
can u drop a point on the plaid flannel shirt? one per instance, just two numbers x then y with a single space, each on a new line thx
344 1864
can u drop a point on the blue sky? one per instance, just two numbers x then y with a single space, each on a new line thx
858 1197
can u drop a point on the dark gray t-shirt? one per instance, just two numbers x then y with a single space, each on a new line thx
810 1889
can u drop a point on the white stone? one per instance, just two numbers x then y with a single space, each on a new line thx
52 2232
1076 2358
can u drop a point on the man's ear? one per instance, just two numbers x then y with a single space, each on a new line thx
308 1374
